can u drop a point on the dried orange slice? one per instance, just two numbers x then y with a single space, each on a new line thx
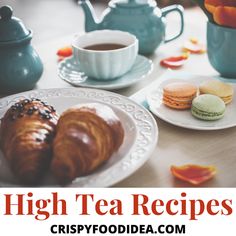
65 51
194 46
225 16
174 62
194 174
211 5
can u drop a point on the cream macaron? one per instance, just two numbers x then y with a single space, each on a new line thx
215 87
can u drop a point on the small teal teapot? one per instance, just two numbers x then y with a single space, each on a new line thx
139 17
20 65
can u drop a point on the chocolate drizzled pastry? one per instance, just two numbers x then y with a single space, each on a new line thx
27 130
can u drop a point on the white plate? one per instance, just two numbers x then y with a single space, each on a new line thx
141 133
184 118
70 71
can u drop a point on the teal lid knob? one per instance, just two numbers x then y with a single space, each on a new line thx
6 12
11 28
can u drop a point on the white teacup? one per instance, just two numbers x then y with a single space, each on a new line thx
105 64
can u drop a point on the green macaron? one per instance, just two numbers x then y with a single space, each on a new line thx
208 107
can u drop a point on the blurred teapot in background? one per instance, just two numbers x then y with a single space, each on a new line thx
20 65
139 17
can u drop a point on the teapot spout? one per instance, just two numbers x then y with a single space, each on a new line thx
91 22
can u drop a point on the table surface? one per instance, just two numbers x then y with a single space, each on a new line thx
55 22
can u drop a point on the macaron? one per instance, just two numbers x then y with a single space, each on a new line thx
179 95
208 107
215 87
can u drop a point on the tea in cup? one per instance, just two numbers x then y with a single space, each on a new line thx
105 54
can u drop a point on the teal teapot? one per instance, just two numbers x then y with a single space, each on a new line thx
139 17
20 65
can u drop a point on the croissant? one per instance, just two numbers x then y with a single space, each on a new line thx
27 130
87 136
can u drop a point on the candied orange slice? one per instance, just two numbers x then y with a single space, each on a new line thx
194 46
194 174
211 5
225 16
65 51
174 62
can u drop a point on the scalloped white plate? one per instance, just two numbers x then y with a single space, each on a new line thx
141 134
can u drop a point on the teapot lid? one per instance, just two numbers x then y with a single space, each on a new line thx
11 28
133 3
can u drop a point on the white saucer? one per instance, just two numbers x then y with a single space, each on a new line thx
70 71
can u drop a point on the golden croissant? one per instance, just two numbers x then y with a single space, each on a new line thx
87 136
27 131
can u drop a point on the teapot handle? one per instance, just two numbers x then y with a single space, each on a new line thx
180 10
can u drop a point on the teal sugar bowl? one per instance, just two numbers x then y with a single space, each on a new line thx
221 49
20 65
141 18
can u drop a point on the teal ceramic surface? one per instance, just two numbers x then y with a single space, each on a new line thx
20 66
139 17
221 44
70 71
